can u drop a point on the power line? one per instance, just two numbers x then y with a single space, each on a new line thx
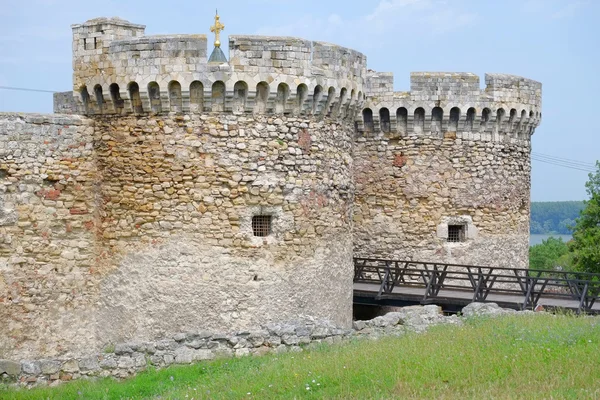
569 166
28 90
567 160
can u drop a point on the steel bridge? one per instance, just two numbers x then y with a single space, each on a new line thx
452 286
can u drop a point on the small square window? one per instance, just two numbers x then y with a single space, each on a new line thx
261 225
456 233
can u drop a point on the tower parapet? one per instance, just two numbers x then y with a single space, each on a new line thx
452 104
126 72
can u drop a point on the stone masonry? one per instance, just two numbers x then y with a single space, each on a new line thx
135 212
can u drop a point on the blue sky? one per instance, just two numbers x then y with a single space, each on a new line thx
554 41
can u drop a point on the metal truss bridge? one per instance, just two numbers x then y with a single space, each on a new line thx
452 286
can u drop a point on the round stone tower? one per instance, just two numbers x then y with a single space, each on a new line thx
221 192
442 172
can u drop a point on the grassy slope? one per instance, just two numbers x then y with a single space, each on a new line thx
540 356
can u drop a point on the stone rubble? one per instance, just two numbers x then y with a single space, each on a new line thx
126 359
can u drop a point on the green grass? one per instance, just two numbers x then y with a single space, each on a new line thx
529 357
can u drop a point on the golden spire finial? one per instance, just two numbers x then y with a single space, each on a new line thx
217 28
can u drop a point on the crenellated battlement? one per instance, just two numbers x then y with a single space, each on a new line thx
118 70
453 104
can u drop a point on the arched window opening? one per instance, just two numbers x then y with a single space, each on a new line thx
301 95
454 118
521 127
419 121
512 120
351 102
262 97
341 105
154 96
402 120
485 117
240 94
115 97
85 99
218 96
500 114
384 119
196 96
330 101
368 120
470 119
437 115
99 97
134 97
175 96
283 92
317 97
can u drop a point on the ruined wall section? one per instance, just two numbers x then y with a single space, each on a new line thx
446 156
47 233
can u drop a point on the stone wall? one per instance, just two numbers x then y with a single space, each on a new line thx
443 172
408 190
124 359
48 211
138 227
179 196
119 70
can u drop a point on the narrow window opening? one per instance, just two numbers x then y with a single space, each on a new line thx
384 119
261 225
368 120
402 120
456 233
95 43
85 44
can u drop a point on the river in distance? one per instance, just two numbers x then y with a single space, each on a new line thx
537 238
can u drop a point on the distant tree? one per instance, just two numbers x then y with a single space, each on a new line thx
586 233
555 217
550 254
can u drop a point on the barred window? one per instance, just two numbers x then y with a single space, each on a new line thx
261 225
456 233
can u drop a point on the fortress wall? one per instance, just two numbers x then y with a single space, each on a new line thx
265 54
508 109
408 190
446 154
180 194
137 228
131 73
47 234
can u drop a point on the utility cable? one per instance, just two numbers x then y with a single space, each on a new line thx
578 168
27 90
566 160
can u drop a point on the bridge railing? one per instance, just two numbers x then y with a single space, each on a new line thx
434 277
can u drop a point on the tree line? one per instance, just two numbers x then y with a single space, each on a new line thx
556 217
582 253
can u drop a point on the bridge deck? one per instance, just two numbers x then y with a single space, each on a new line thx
367 293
